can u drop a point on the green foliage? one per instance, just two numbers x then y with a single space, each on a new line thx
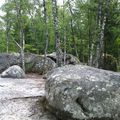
84 20
2 42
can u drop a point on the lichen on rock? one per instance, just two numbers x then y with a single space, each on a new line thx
83 93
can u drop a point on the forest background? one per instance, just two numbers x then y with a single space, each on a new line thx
88 29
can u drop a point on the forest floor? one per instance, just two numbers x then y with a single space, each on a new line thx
34 76
32 85
22 99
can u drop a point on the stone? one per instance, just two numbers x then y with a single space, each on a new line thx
70 59
83 93
52 56
7 60
23 99
35 63
14 71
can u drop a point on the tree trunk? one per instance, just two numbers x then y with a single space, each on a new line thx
102 17
89 39
64 35
56 32
99 28
8 26
22 40
21 32
46 34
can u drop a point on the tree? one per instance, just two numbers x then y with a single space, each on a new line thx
84 28
57 38
102 17
19 10
46 33
64 34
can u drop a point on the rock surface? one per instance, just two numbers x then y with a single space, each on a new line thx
7 60
70 59
83 93
35 64
22 99
14 71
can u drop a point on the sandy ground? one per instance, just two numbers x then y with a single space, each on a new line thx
23 99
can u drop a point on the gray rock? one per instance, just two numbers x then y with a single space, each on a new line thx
35 64
13 72
23 99
70 59
52 56
7 60
83 93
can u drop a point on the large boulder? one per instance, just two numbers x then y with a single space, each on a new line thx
35 63
14 71
7 60
70 59
83 93
23 99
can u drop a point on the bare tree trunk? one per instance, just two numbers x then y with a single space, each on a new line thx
21 32
64 35
57 38
91 55
99 37
46 34
100 45
8 26
7 41
22 48
90 40
7 36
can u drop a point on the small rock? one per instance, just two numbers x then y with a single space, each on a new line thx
70 59
13 72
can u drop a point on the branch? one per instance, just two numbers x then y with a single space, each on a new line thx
17 44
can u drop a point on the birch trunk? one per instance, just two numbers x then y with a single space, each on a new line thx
21 32
8 27
99 37
46 34
64 35
56 32
102 17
